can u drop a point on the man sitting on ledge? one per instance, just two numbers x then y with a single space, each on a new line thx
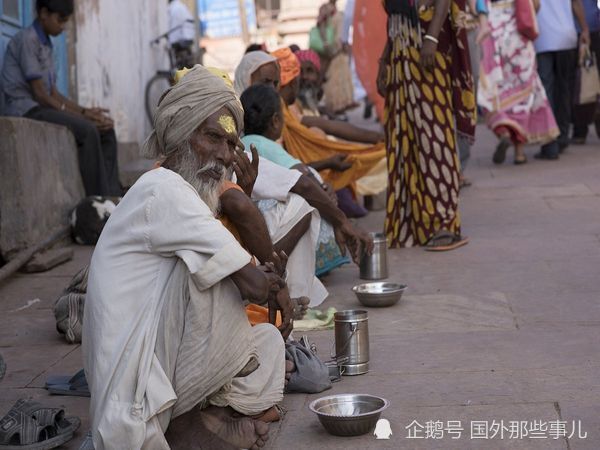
169 354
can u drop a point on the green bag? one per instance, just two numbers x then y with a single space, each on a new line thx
315 41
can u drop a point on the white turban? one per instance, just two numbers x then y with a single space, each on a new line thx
249 64
185 106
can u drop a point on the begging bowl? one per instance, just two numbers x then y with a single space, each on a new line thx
379 294
349 414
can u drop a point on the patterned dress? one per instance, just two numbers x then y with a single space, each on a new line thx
424 110
510 92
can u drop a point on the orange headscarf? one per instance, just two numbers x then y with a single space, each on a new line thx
288 63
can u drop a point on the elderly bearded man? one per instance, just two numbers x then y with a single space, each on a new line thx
168 350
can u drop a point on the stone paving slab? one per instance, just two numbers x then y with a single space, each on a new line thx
505 328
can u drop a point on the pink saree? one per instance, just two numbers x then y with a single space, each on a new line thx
510 91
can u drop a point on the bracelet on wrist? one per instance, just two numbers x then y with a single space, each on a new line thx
428 37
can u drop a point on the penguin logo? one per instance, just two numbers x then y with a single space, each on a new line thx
383 430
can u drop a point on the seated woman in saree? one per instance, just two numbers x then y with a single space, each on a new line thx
511 92
263 125
303 144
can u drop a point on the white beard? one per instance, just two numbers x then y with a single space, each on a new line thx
193 172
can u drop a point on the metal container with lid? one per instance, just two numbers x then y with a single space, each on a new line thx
352 340
375 265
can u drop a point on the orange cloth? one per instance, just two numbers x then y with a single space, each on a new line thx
288 64
256 314
370 37
302 143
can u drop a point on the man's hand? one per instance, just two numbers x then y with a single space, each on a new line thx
357 241
245 170
280 301
100 118
278 263
338 163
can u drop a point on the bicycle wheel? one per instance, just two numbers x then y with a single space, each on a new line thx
157 85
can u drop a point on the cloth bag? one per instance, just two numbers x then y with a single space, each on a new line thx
587 87
311 375
526 19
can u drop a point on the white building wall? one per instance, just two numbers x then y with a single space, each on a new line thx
115 59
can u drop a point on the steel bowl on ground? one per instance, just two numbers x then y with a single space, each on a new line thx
349 414
379 294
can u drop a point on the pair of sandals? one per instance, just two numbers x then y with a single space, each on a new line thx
30 426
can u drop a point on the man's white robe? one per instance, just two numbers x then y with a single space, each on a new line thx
164 327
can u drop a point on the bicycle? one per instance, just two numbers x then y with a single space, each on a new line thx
180 56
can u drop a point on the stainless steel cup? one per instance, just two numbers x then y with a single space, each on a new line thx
352 340
375 266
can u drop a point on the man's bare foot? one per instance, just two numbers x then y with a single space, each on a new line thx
273 414
289 368
300 307
243 432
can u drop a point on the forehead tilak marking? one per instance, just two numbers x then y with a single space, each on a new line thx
227 123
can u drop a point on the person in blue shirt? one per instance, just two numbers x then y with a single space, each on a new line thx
556 48
583 115
29 89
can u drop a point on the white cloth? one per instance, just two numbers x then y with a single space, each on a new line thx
557 27
281 217
179 14
273 181
249 64
159 236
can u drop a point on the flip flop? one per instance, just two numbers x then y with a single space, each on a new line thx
76 385
453 240
30 426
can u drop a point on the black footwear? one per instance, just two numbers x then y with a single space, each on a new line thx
501 148
578 140
541 155
519 162
368 110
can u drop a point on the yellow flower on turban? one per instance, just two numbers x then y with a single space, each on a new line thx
288 63
180 74
222 74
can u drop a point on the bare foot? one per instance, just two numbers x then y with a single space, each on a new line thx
300 307
272 414
243 432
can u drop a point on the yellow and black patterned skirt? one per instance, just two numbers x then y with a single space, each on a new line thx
423 166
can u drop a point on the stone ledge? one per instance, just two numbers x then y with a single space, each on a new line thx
40 181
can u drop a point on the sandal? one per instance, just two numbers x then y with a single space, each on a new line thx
76 385
521 161
444 241
30 426
501 148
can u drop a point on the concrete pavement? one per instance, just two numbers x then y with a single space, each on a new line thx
504 329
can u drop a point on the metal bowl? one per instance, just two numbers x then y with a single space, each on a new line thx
349 414
379 294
